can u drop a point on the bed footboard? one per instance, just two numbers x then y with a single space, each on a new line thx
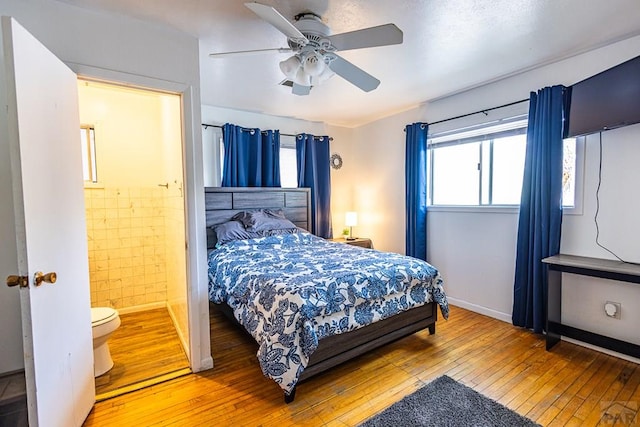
337 349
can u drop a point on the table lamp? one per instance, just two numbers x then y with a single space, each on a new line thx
350 220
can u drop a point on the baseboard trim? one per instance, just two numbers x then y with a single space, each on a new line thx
505 317
601 350
143 307
181 337
206 363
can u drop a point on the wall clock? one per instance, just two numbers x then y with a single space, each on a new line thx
336 161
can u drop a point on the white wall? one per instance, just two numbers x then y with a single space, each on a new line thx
619 226
128 133
342 192
177 296
102 45
378 181
618 218
475 251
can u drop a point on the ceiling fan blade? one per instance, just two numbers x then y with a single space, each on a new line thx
273 17
249 52
300 90
353 74
382 35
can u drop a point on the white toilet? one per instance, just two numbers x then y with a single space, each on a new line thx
104 320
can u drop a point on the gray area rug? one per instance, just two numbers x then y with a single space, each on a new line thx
446 402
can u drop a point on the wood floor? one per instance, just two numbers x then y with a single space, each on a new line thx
570 385
144 347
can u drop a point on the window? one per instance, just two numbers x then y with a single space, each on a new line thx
455 176
288 162
484 166
88 144
221 158
569 172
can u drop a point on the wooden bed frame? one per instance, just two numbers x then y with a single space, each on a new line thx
222 203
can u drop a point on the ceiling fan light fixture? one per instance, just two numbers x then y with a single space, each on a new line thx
306 69
315 47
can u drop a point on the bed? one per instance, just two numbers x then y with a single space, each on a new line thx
309 303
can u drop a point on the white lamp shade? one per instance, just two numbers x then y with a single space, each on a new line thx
351 219
291 66
301 78
314 64
323 77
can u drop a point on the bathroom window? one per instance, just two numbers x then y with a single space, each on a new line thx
88 144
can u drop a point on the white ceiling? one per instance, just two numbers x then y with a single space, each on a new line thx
449 46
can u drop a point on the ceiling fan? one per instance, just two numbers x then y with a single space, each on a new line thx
315 59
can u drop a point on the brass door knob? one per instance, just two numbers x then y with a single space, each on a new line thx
22 281
40 277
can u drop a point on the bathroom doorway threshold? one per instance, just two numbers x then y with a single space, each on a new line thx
146 350
142 384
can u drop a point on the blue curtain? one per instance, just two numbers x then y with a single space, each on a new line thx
251 157
269 162
540 220
312 155
416 189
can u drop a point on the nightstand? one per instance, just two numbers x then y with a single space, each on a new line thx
358 241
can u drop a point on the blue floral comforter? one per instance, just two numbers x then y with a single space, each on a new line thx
292 290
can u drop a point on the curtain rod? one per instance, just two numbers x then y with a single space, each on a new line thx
484 111
207 125
480 111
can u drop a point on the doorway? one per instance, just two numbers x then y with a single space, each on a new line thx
135 213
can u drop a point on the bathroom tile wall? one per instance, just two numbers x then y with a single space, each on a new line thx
127 245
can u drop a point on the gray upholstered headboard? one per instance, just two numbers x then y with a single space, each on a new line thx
222 203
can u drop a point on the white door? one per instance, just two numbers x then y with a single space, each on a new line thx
48 200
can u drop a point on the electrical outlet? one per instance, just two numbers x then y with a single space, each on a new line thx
612 309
